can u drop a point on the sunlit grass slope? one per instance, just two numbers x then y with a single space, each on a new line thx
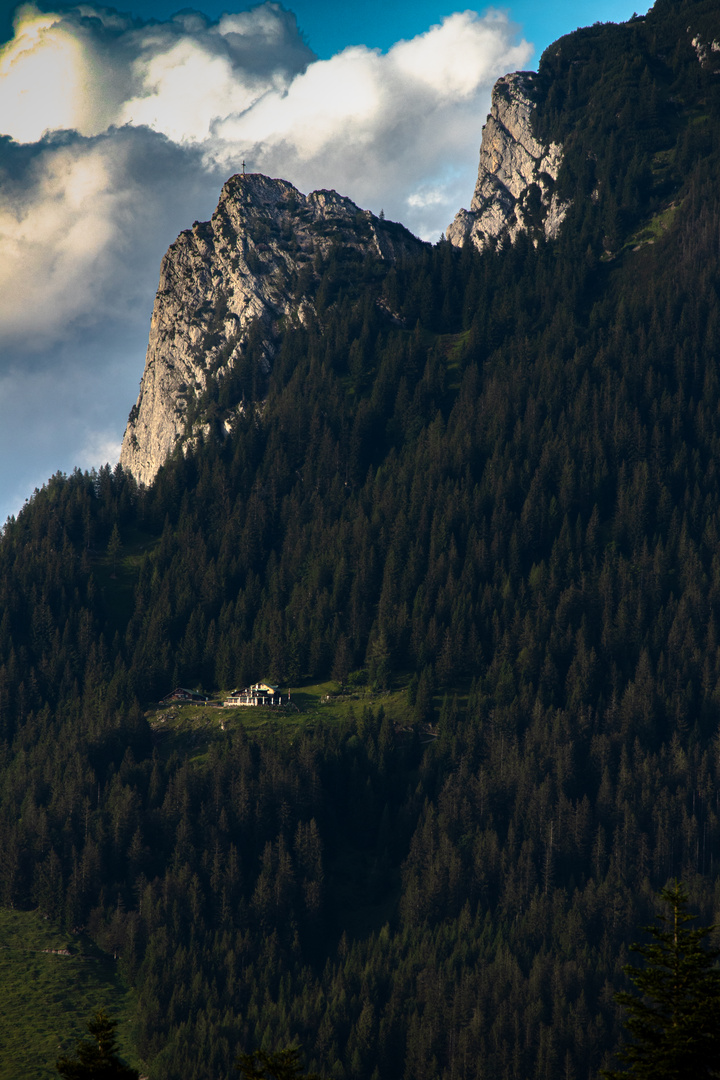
47 996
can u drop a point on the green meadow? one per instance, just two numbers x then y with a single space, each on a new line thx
50 984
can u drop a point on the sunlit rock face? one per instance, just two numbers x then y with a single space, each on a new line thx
514 190
252 263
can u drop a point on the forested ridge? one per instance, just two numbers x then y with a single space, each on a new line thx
491 476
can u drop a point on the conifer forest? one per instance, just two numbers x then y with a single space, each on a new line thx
504 503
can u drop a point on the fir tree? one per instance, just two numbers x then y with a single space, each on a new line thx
97 1059
675 1023
279 1065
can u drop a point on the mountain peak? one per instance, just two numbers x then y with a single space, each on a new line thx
254 262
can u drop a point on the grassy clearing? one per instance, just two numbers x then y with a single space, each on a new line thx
190 729
453 348
365 895
47 997
652 230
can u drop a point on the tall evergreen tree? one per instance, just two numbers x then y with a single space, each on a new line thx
97 1058
279 1065
675 1022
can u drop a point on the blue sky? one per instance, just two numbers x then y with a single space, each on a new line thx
328 26
119 133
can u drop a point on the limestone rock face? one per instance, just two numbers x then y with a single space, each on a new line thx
707 53
514 190
248 263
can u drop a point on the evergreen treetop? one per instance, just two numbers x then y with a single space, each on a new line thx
97 1058
675 1022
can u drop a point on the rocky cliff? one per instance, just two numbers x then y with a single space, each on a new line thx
516 178
255 261
252 264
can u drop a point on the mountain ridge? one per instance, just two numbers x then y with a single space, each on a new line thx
244 265
253 260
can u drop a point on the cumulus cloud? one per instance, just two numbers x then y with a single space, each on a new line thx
117 133
83 225
99 446
89 68
55 237
380 127
385 128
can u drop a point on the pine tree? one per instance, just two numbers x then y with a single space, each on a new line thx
114 548
675 1023
279 1065
97 1059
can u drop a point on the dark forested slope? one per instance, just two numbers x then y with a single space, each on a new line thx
509 488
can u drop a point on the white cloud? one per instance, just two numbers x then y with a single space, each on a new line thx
56 238
461 55
187 74
86 190
100 448
87 69
50 78
381 127
183 92
424 197
83 225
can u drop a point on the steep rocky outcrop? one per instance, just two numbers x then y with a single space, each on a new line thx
707 52
515 186
254 260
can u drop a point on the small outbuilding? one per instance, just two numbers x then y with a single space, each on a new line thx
181 694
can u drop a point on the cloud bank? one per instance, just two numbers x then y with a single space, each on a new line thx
119 133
